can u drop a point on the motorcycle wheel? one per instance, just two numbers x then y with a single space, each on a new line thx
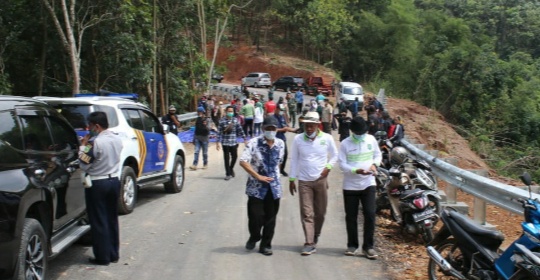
452 254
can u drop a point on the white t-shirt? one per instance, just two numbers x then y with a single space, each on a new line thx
309 158
358 154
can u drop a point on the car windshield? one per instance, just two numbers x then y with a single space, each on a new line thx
298 80
265 76
352 90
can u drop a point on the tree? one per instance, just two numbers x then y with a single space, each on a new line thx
76 20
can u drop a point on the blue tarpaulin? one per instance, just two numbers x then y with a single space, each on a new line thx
187 136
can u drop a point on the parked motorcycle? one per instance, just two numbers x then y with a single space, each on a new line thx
415 208
465 250
385 146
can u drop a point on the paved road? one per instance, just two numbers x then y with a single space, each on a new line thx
200 233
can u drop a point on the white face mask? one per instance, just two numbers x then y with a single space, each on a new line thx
312 134
270 135
359 137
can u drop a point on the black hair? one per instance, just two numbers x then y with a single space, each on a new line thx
232 107
100 118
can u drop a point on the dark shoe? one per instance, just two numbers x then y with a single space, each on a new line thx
284 173
316 239
114 261
98 262
250 245
232 173
266 251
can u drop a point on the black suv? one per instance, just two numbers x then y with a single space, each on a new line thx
288 83
42 207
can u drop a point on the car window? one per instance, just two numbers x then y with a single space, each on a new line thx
352 90
9 129
265 75
65 138
35 134
298 80
78 114
252 75
133 118
151 124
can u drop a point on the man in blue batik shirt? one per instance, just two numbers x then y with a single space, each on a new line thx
261 159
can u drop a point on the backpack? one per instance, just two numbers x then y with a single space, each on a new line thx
378 105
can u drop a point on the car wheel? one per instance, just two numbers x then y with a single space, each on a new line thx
255 85
128 191
176 184
32 262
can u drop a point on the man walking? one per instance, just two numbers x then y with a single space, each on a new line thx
313 155
299 96
200 139
359 156
99 157
327 116
229 130
261 159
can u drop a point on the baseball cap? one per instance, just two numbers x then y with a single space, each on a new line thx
270 121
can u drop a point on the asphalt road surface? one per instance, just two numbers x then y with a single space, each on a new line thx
201 232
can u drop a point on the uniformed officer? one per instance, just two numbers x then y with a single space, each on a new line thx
99 157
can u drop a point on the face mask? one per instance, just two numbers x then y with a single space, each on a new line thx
270 135
230 115
312 134
359 137
281 112
93 133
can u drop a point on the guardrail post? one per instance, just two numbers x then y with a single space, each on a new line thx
451 191
479 206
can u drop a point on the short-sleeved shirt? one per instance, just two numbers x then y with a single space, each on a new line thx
265 161
270 107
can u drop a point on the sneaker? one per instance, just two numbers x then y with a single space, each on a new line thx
285 174
308 250
351 251
370 254
227 178
250 245
193 167
205 166
266 251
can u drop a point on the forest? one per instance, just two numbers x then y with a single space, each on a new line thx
475 61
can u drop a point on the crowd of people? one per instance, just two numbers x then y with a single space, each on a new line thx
262 126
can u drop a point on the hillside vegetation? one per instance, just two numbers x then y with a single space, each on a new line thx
475 62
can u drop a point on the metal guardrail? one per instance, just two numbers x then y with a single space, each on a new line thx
221 90
490 191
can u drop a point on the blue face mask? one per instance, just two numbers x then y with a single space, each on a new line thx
359 137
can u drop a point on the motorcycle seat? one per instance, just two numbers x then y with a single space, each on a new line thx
473 228
410 193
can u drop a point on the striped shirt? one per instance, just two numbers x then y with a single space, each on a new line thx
358 154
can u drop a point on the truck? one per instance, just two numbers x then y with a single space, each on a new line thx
316 85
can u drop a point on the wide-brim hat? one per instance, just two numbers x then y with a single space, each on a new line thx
172 108
358 125
311 117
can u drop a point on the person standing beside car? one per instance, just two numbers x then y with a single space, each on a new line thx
99 157
229 129
171 120
359 156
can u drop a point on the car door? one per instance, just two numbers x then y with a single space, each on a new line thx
50 161
152 146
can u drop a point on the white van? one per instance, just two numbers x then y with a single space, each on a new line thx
257 79
349 91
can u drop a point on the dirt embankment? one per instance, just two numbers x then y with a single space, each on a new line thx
405 255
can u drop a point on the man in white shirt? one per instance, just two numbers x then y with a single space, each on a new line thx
313 155
359 156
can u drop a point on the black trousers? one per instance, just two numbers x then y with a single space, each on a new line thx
299 107
102 209
352 200
286 153
262 215
248 127
230 153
